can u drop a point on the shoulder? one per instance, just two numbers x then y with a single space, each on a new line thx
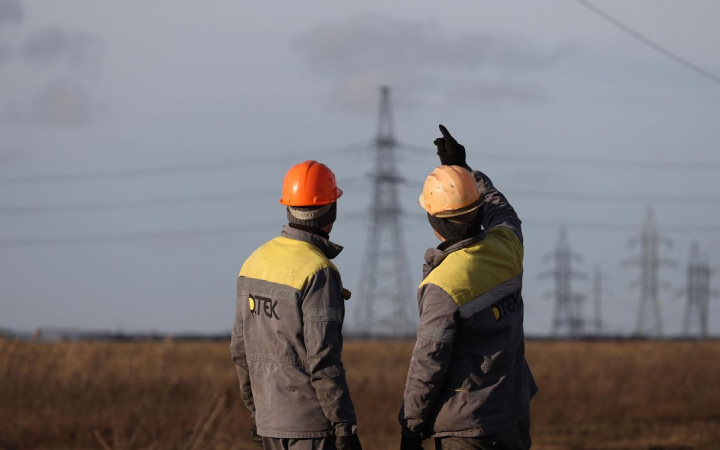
469 272
507 236
286 261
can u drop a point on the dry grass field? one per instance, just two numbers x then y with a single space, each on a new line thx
184 395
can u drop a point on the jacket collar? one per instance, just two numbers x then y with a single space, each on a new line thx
329 248
435 256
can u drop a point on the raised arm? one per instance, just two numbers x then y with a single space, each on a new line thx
495 210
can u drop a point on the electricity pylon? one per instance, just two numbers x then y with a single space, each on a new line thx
649 262
597 301
697 292
568 304
385 289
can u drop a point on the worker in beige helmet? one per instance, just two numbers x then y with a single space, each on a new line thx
287 337
468 384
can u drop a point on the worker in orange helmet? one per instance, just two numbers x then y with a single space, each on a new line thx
468 385
287 337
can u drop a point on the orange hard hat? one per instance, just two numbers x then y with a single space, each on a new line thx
309 183
450 191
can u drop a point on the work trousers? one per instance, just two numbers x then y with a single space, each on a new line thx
299 444
516 437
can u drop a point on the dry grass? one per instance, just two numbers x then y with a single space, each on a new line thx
170 395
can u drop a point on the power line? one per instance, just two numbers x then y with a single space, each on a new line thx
120 205
132 236
119 174
615 226
19 210
125 173
165 170
600 163
614 198
650 43
573 161
235 196
229 229
609 227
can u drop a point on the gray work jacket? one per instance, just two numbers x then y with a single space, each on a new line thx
287 338
468 376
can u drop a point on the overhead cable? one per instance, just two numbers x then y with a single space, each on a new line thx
676 200
595 197
131 236
164 170
650 43
614 226
572 161
245 228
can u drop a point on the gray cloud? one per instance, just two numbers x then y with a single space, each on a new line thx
4 53
79 51
496 93
11 12
9 156
58 96
361 52
61 103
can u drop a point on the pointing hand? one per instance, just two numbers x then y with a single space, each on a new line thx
451 153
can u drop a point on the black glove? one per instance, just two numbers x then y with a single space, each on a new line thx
253 433
450 152
410 443
347 442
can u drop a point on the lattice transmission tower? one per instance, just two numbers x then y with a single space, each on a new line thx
385 289
649 261
597 301
568 312
697 292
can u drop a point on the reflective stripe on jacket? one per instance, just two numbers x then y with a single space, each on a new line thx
287 338
468 375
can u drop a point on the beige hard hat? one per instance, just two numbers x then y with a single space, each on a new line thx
450 191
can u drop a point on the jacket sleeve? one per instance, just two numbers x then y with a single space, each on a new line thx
430 359
496 210
237 350
323 312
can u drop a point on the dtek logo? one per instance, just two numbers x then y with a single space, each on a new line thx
506 306
268 306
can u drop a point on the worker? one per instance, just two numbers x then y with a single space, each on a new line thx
287 337
468 384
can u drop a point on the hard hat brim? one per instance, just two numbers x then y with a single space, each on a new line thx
452 213
316 200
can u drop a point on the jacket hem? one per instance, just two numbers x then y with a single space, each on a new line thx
281 434
483 431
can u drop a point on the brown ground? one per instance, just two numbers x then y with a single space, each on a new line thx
184 395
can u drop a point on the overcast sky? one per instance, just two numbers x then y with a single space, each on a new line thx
94 87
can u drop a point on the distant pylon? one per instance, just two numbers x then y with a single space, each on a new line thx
568 312
385 282
597 301
697 292
649 262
